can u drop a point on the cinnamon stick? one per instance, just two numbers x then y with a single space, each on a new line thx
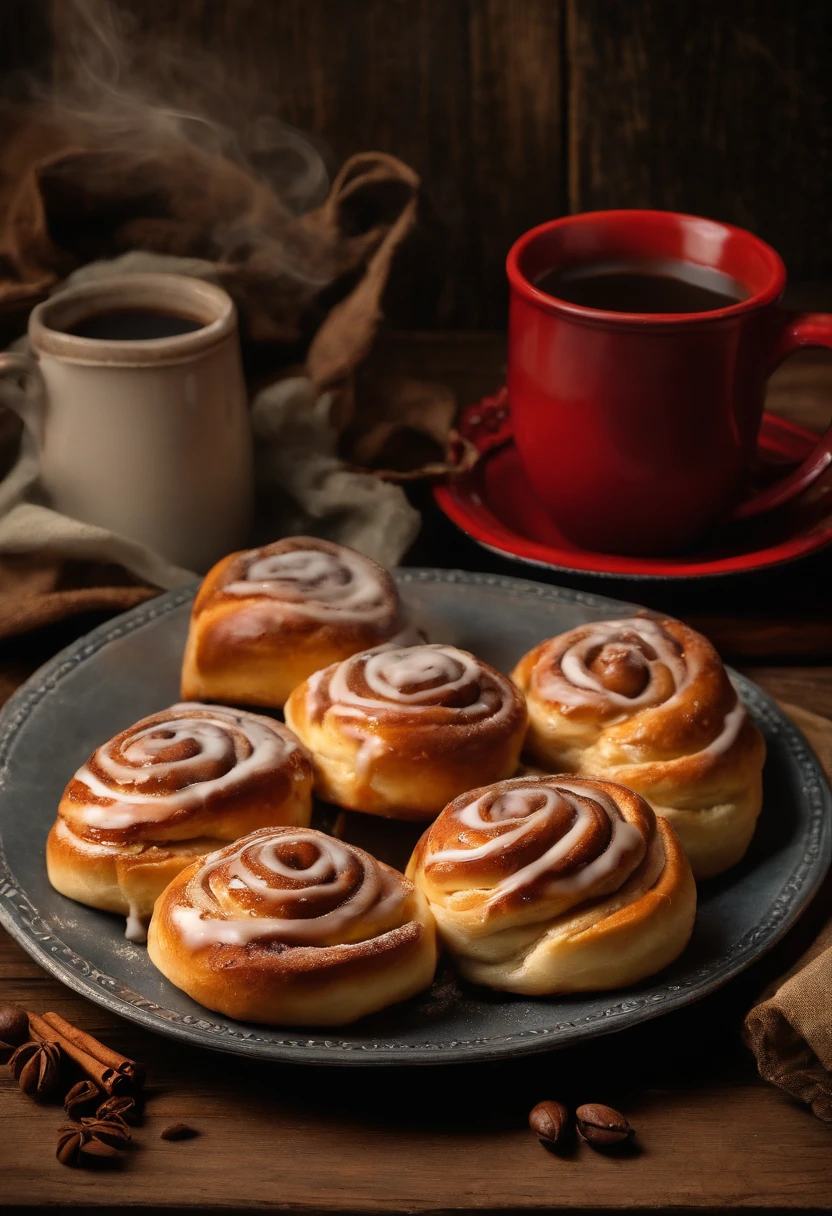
116 1074
86 1061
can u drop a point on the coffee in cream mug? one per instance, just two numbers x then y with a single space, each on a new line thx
134 394
639 347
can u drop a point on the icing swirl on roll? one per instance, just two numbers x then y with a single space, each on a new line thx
386 697
537 837
290 886
614 671
177 762
436 682
316 579
626 664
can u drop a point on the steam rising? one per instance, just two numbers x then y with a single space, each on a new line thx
163 114
123 86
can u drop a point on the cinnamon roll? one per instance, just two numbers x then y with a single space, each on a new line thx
398 732
543 885
647 702
292 927
265 619
166 791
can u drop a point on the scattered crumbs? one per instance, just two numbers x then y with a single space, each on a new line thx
127 950
444 995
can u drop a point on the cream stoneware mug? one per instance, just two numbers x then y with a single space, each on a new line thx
146 437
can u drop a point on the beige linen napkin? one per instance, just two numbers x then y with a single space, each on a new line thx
790 1030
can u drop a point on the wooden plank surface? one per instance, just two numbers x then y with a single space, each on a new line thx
372 75
468 92
474 364
518 132
720 109
513 110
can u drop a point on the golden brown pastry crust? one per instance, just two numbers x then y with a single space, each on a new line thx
292 927
541 885
646 701
265 619
400 731
169 789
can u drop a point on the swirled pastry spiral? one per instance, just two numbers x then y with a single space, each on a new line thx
292 927
542 885
168 790
265 619
647 702
400 731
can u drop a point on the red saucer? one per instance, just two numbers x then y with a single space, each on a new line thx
494 505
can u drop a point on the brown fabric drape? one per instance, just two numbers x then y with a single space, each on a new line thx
790 1029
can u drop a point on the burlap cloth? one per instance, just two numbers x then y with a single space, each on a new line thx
790 1029
311 290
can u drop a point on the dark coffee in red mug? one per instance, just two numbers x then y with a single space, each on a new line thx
638 430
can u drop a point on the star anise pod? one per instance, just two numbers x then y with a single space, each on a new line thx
36 1066
120 1108
82 1100
77 1146
113 1132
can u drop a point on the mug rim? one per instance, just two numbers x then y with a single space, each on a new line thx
208 303
520 283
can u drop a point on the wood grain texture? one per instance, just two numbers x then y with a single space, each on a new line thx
444 84
25 45
371 74
518 131
810 687
474 365
712 108
514 111
466 91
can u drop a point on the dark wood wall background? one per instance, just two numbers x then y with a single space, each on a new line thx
515 111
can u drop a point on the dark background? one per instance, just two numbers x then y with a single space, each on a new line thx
515 111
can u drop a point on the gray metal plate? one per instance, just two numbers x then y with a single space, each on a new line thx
130 667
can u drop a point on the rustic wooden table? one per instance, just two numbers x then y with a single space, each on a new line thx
710 1133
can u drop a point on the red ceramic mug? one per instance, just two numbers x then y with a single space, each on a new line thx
638 431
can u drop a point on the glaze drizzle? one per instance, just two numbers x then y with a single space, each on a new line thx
418 679
318 583
566 814
626 665
175 761
294 886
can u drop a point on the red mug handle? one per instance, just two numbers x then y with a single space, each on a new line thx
799 330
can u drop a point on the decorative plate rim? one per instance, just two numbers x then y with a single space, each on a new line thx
22 920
